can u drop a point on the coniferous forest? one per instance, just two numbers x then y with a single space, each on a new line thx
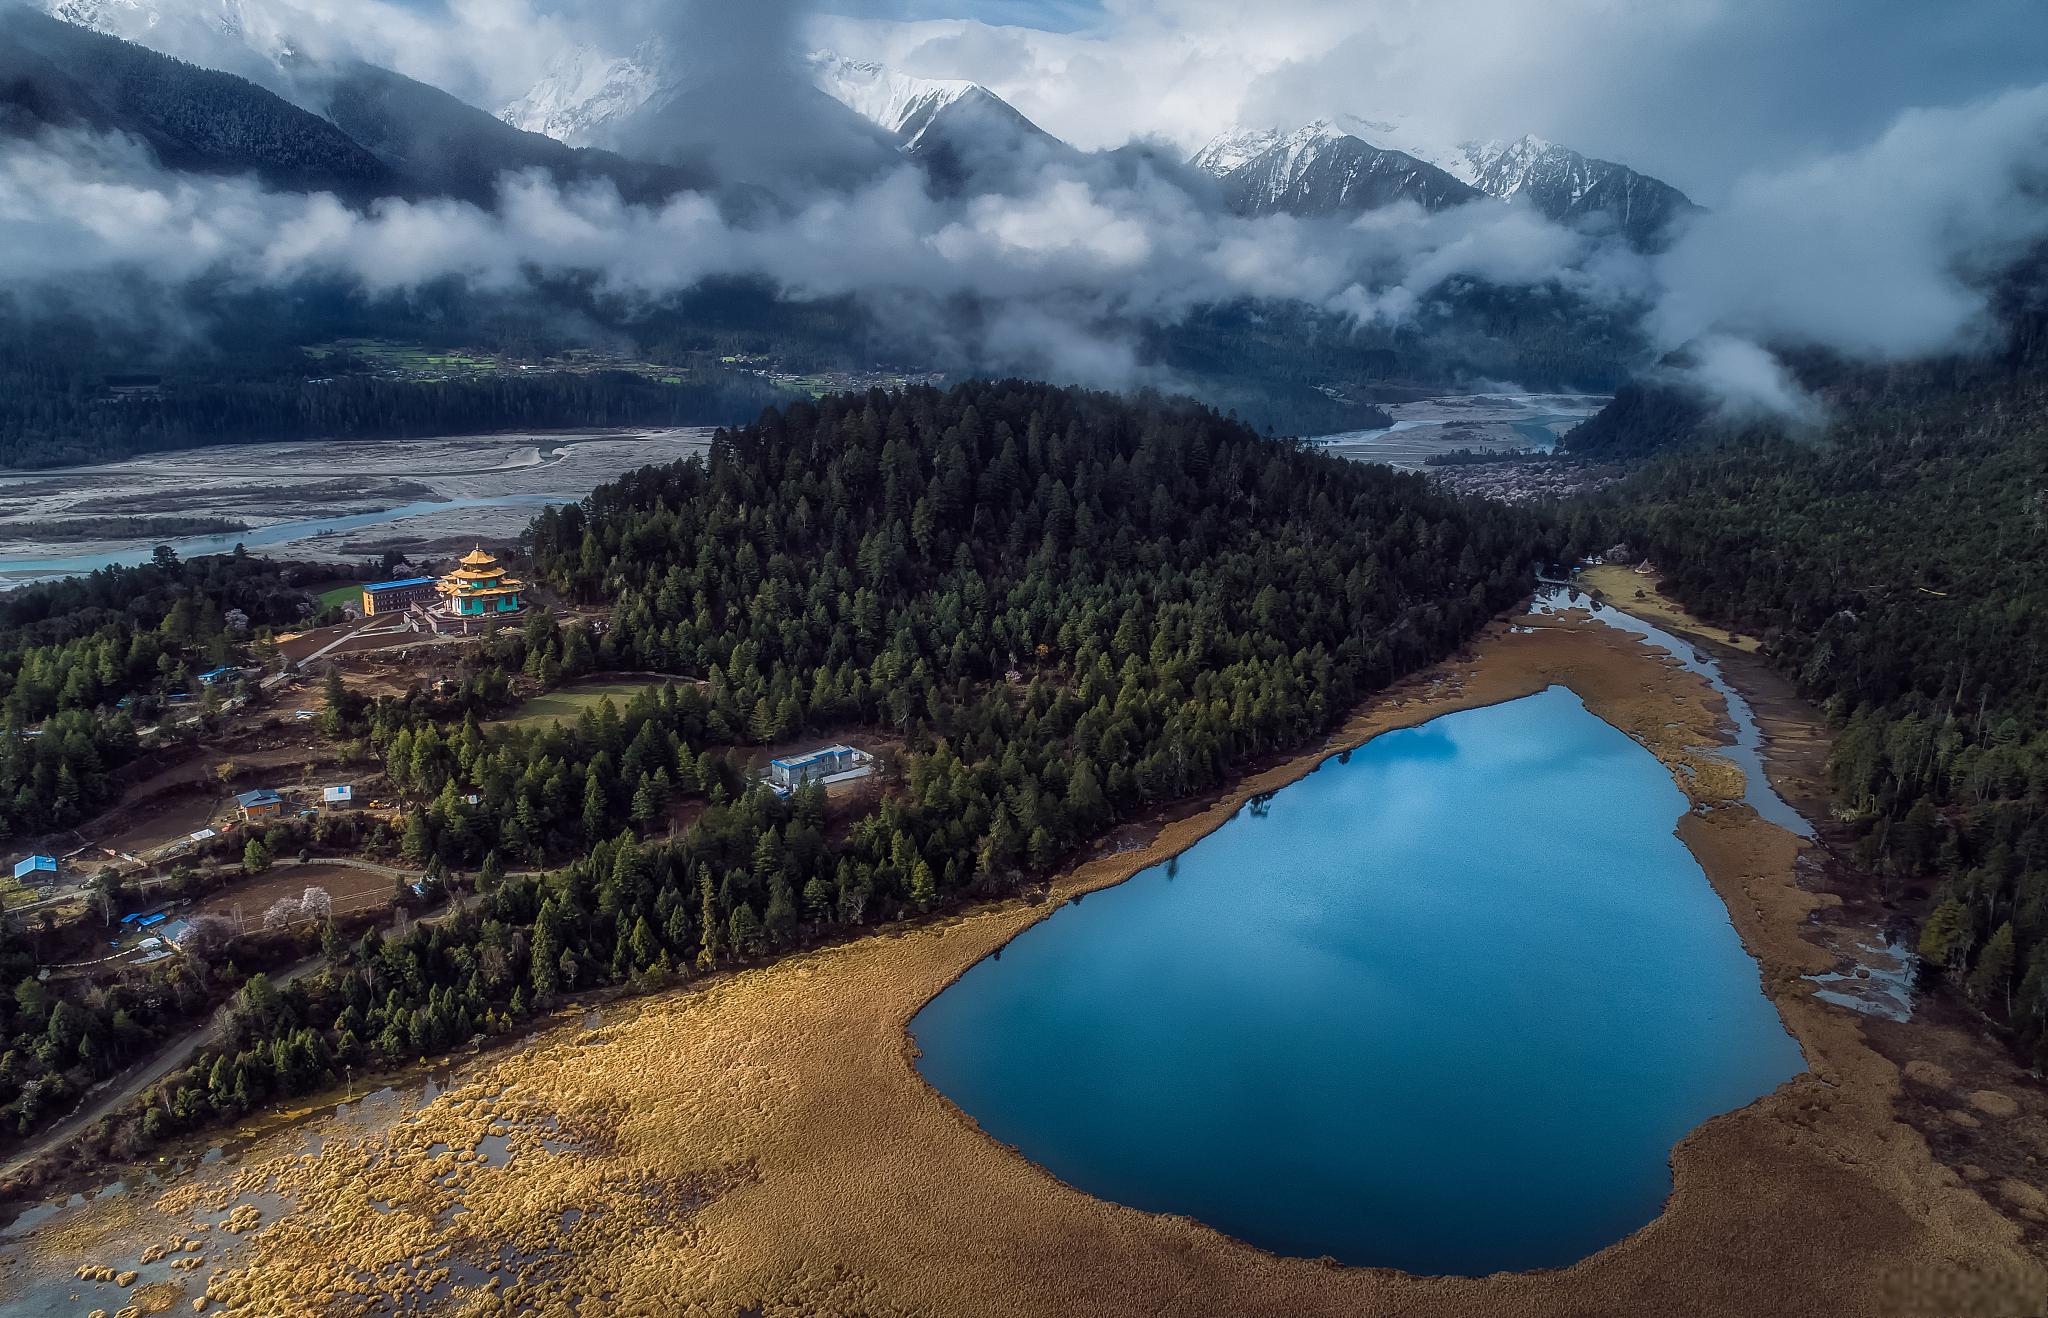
1052 609
85 661
53 412
1892 563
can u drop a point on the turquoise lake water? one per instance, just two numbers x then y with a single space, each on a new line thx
1445 1005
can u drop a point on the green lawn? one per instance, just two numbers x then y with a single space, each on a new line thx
350 594
566 704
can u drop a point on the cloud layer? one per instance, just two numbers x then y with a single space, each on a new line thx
1882 249
1883 252
1698 92
1067 263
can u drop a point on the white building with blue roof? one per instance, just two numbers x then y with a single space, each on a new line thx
833 764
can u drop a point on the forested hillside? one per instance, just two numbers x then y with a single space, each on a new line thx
1053 609
443 146
1893 565
72 651
55 75
57 408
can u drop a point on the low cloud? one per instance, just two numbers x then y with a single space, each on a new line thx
1745 381
1883 250
1062 269
1885 253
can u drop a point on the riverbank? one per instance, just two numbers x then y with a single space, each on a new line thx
1639 594
1475 423
764 1144
319 500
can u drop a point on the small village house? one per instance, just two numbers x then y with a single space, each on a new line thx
339 797
261 803
36 869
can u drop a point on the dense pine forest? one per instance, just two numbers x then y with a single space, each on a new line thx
1051 610
1893 565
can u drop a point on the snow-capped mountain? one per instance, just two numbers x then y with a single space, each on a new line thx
894 102
120 16
634 103
192 29
1324 170
959 131
1234 149
1266 171
657 103
1568 186
583 91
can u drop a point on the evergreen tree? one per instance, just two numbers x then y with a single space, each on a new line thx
1991 981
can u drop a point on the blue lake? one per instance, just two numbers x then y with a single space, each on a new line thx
1445 1005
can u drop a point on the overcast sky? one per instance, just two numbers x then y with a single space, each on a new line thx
1698 91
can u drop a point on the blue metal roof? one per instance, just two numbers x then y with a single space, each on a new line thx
261 796
797 762
395 585
148 921
35 864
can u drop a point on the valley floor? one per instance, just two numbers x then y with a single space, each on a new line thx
764 1144
320 501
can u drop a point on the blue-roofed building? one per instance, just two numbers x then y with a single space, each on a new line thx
35 869
398 596
819 766
219 675
259 804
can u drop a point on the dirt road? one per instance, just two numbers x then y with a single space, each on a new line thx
169 1058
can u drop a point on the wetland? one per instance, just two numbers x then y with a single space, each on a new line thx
764 1141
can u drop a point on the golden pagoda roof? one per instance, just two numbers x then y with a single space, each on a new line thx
466 574
504 586
478 558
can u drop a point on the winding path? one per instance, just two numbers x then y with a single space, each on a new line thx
166 1060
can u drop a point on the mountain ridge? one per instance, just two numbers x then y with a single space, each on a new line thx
1562 184
1321 170
59 75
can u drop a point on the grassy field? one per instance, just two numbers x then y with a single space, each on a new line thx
567 704
1639 595
409 361
349 594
